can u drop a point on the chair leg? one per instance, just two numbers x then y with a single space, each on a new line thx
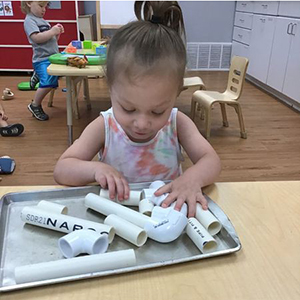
224 115
238 110
207 121
50 101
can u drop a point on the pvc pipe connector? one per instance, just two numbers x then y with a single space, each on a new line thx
52 207
201 238
127 230
156 184
58 222
75 266
133 200
83 241
208 220
170 224
146 207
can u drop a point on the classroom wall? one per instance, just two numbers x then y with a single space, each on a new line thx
208 21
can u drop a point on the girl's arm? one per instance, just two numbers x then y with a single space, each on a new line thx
188 187
76 168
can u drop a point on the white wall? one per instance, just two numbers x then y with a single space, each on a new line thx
208 21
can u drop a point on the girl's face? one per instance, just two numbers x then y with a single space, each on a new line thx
142 108
37 8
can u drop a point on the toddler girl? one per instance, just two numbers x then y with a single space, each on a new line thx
139 138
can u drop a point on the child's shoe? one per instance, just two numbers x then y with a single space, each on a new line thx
34 79
7 165
12 130
38 112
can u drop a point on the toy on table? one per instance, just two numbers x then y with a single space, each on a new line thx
76 61
7 94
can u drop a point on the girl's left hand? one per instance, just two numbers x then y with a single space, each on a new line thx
3 116
183 189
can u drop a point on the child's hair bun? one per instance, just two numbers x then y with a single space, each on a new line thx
167 13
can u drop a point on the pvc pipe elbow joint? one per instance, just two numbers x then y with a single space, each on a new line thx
169 224
83 241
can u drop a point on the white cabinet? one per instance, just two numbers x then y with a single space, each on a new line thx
240 49
246 6
284 71
243 20
289 9
266 7
263 28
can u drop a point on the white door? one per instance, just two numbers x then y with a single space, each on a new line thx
289 8
291 86
280 53
260 46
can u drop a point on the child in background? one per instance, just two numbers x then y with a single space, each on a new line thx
139 139
8 130
43 39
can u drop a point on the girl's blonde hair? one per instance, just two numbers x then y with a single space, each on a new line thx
26 9
154 43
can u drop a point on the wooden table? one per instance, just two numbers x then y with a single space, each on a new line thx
73 77
266 216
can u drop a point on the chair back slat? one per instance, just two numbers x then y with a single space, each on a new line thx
236 78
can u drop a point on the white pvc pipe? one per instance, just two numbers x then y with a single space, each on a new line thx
170 224
35 216
208 220
201 238
133 200
52 207
146 207
156 184
127 230
147 193
75 266
107 207
83 241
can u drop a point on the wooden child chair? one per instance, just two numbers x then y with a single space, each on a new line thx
206 99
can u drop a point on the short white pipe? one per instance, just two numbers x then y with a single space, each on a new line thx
35 216
201 238
170 224
126 230
83 241
75 266
133 200
107 207
208 220
146 207
52 207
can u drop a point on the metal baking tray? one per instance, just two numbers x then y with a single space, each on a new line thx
23 244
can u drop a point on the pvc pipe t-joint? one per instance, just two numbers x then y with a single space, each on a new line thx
83 241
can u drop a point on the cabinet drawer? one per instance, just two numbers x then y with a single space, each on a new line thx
243 20
266 7
246 6
289 9
242 35
239 49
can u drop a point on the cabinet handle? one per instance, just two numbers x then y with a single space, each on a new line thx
264 6
244 4
288 28
240 35
242 20
292 31
263 20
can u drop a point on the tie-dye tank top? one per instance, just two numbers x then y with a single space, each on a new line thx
157 159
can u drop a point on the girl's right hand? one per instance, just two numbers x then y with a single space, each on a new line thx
109 178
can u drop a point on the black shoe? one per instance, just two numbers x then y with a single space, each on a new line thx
34 79
37 112
12 130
